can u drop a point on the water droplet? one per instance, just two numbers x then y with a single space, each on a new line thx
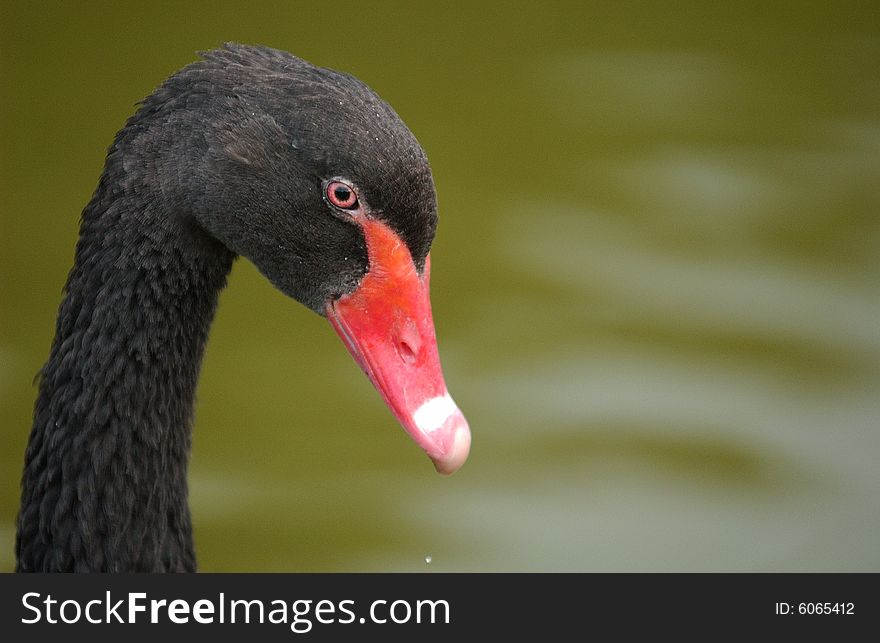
428 559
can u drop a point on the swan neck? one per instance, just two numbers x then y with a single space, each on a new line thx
105 479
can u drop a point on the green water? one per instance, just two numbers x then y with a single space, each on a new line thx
656 285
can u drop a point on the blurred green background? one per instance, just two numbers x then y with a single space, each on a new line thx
656 284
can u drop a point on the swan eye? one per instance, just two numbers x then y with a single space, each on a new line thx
342 195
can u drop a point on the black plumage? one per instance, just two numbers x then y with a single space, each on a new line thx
226 158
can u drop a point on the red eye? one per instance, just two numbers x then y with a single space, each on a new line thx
342 195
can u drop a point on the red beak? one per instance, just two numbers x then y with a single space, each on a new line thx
387 326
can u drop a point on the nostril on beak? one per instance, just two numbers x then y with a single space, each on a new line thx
406 351
408 342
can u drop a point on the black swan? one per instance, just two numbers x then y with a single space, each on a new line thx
249 151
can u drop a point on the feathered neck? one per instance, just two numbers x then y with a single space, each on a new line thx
105 479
